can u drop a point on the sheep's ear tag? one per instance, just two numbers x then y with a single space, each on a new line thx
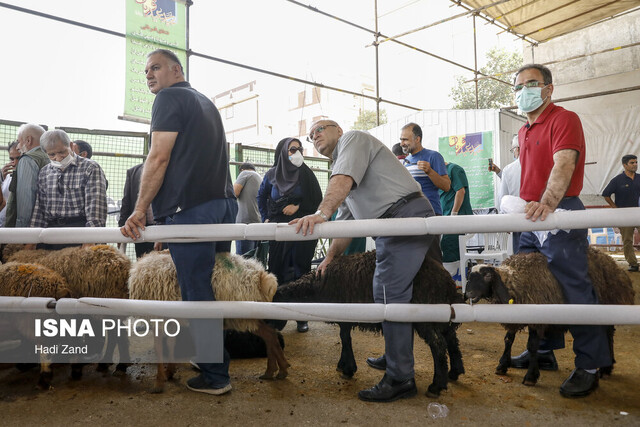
511 301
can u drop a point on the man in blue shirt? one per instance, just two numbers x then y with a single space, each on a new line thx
426 166
626 187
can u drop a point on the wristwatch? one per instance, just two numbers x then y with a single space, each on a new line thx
322 215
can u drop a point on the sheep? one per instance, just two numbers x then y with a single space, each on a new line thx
526 279
153 277
98 271
348 279
31 280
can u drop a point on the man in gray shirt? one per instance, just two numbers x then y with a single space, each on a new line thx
368 182
246 189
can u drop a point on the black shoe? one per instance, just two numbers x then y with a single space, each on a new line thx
303 327
388 390
580 383
377 362
546 361
633 268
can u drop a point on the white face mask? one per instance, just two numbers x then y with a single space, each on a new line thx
297 159
62 165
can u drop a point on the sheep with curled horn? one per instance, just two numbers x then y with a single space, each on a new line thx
525 279
348 279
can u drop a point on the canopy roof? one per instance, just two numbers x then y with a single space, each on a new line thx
542 20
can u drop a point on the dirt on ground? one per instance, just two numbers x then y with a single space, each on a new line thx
315 394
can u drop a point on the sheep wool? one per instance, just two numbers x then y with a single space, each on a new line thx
97 271
31 280
153 277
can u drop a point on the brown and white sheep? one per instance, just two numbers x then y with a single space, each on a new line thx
30 280
526 279
348 279
153 277
98 271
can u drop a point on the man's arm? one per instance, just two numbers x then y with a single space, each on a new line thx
237 189
443 182
457 201
564 163
26 190
337 190
152 177
95 198
610 201
337 247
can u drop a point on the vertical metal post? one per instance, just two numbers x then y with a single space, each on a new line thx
188 3
475 58
375 5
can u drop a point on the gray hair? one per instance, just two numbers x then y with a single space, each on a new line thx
171 56
51 137
31 129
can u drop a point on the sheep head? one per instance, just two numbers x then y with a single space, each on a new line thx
485 282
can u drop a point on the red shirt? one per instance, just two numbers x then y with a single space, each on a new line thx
554 130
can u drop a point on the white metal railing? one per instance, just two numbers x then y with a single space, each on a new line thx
519 313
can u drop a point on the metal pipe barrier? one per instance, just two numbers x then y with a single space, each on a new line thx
517 313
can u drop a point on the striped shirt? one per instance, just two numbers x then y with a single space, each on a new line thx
429 189
78 191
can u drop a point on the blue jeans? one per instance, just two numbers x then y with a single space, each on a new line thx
566 254
244 246
194 265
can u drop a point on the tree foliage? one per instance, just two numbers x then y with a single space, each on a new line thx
491 93
367 119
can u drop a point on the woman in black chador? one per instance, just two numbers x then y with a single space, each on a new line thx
289 190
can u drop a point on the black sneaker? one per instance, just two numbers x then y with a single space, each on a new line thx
546 361
303 327
633 268
579 384
388 390
200 385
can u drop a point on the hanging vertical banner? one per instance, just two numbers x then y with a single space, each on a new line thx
151 24
472 152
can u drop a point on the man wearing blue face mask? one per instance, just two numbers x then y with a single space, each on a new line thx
71 189
552 156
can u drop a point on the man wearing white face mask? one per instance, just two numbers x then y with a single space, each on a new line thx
552 156
71 189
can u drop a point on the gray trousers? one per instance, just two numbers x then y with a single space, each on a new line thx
398 259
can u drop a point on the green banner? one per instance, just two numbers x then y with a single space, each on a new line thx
151 24
472 152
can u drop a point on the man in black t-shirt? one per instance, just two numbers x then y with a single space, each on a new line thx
626 187
186 175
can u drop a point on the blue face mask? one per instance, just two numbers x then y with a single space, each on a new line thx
529 98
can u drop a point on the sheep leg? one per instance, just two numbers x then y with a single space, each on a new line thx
276 361
347 364
438 346
505 360
46 375
533 345
123 351
605 371
453 348
161 375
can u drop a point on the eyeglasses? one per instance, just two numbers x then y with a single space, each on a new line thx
518 88
293 150
317 131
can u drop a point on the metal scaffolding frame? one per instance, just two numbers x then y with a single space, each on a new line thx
378 39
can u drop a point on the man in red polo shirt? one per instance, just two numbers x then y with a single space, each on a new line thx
552 154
